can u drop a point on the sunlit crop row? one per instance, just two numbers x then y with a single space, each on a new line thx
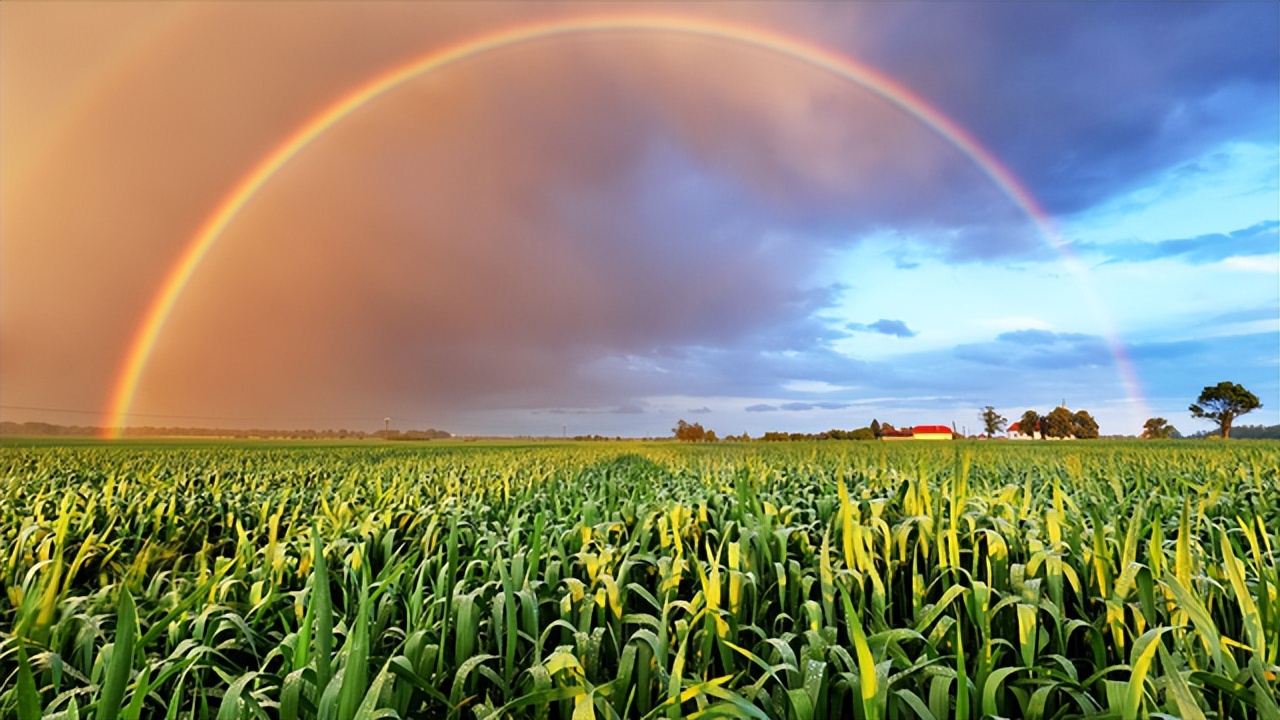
861 580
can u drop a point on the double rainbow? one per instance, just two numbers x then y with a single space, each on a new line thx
144 340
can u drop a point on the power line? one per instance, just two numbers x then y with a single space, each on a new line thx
46 409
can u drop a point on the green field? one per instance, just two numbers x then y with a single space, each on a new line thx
806 580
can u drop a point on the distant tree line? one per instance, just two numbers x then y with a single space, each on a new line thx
1059 423
428 434
50 430
863 433
686 432
694 432
1242 432
1157 428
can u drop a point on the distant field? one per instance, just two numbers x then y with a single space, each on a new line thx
791 580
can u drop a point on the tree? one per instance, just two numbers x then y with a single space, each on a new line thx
1083 426
1057 423
992 421
1158 428
875 428
1223 403
689 433
1027 424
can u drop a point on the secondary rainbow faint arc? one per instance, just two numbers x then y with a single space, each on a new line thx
176 280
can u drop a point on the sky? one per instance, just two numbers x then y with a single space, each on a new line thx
607 232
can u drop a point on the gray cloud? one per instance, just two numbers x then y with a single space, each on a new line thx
1260 239
1270 312
628 409
1042 337
761 407
1083 102
1038 349
896 328
806 406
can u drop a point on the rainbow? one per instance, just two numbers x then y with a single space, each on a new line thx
145 337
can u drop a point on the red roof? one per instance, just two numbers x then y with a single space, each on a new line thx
1013 428
931 429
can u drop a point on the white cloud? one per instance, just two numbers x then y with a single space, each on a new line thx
816 386
1017 322
1253 263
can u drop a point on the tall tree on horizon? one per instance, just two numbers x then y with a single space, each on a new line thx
992 421
1028 422
1157 428
1223 403
1083 426
1057 423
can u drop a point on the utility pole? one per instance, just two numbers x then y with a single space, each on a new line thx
386 430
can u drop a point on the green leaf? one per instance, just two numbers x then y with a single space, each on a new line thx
230 707
28 696
369 705
991 689
356 670
322 612
117 675
1144 651
134 710
1178 688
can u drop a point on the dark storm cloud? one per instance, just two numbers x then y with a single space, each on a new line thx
1259 239
570 225
896 328
749 367
1084 100
482 239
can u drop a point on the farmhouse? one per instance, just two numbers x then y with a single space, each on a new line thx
919 432
1015 432
931 432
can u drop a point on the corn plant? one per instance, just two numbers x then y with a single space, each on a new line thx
640 580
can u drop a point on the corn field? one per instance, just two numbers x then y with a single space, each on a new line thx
630 580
